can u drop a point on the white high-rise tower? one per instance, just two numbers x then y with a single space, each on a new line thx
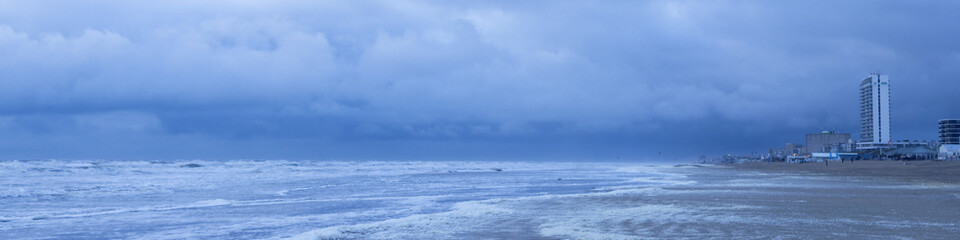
874 112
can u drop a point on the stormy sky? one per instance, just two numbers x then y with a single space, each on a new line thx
475 80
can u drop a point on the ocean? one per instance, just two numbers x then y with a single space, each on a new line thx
279 199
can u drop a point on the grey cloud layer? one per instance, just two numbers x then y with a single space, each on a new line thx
635 77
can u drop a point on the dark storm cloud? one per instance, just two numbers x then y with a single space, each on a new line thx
421 79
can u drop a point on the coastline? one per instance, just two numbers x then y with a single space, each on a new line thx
692 201
928 171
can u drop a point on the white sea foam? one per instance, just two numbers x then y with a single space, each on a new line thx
564 219
671 180
467 216
89 212
437 226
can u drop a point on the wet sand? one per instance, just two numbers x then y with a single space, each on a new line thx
762 201
933 172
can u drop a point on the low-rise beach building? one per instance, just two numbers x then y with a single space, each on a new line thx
917 152
949 139
949 152
833 156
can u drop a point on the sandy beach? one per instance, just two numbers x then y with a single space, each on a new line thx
912 171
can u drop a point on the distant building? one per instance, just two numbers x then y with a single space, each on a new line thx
949 139
788 149
874 112
949 131
828 141
793 149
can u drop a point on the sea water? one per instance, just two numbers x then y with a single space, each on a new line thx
279 199
264 199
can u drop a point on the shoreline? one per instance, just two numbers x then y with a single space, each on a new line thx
927 171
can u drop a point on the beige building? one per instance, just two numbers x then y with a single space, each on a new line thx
828 141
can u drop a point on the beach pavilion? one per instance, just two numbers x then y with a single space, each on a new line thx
912 153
